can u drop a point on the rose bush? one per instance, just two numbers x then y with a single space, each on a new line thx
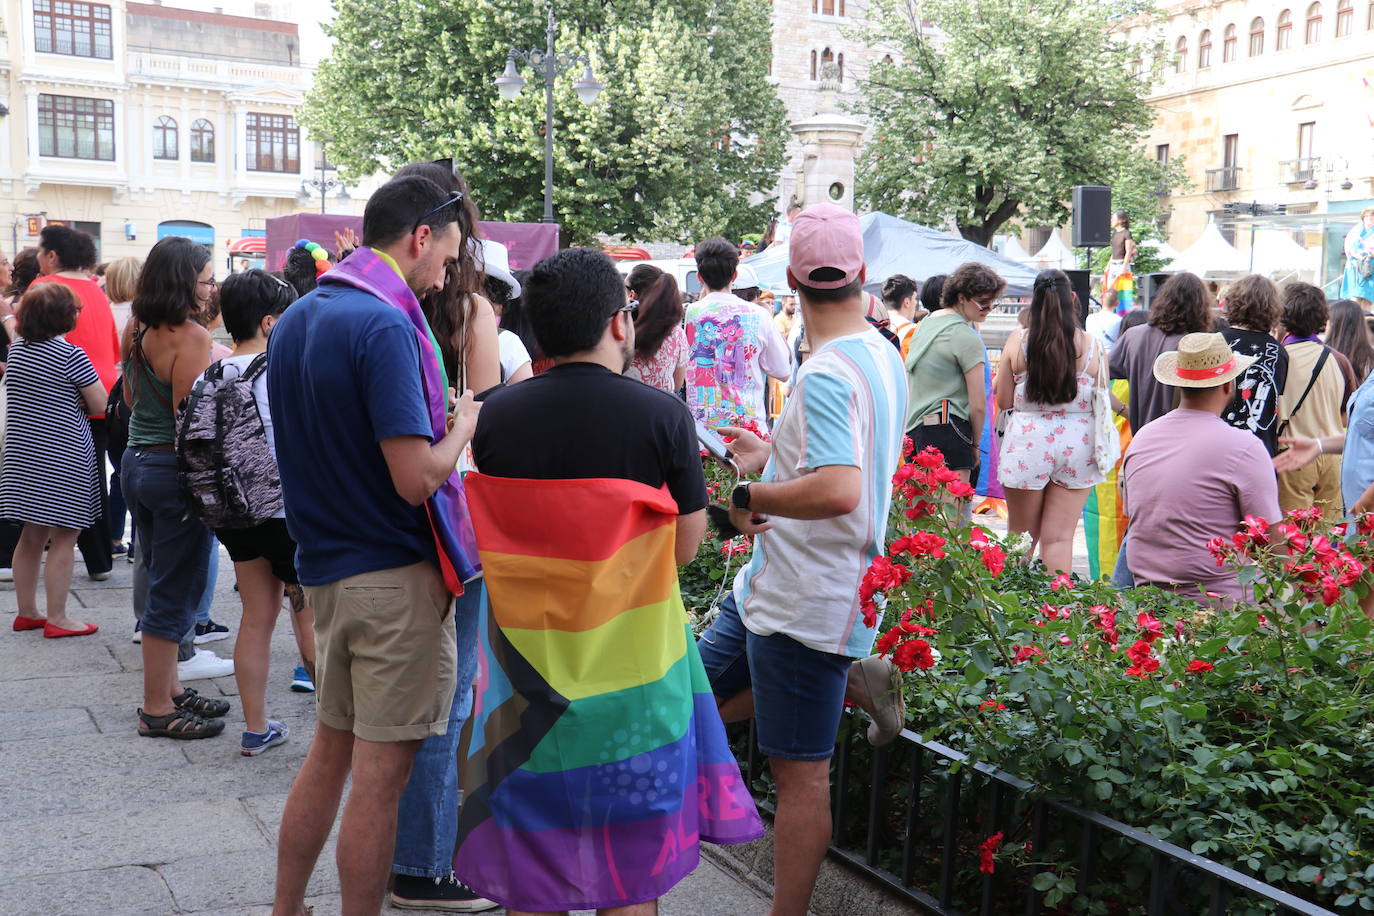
1243 733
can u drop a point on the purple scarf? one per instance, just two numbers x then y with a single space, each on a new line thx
448 507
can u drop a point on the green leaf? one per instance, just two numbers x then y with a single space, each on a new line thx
1044 880
1103 790
979 656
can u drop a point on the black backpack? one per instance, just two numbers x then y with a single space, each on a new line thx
117 414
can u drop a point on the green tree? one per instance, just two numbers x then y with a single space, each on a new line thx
1141 185
996 108
686 140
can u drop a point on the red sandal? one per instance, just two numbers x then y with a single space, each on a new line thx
29 623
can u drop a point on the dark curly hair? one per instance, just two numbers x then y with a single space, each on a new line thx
660 307
25 271
1183 306
1305 311
1252 302
971 280
299 270
47 310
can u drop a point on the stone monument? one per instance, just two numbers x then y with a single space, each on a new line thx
830 143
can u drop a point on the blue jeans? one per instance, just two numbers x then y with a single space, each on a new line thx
427 818
207 597
1121 574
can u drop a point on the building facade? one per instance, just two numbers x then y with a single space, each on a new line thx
1269 102
809 38
133 121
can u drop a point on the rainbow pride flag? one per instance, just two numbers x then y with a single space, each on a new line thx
594 762
1104 520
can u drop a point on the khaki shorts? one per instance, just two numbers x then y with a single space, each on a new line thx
386 653
1318 484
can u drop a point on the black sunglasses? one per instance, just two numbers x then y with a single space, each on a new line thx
457 196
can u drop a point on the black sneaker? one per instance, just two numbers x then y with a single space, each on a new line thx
209 631
448 895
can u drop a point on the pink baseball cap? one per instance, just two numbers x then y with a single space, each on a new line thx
826 238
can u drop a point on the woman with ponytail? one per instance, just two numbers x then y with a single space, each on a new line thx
1046 379
660 342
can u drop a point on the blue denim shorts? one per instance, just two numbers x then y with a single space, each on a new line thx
798 691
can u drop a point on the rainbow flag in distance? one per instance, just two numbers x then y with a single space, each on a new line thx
594 761
1104 521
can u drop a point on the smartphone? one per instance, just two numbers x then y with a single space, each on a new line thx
712 442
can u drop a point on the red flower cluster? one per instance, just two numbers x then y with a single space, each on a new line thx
992 706
1063 580
1198 666
919 544
891 643
734 547
1104 618
882 575
1143 662
926 475
1025 653
913 654
987 853
994 557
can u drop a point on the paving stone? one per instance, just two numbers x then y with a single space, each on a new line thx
44 693
172 832
236 879
136 891
49 658
15 726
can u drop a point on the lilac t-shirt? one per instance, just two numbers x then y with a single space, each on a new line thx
1187 478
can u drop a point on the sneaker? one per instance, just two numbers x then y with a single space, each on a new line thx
118 550
138 632
300 681
209 631
449 895
254 743
99 576
6 574
206 664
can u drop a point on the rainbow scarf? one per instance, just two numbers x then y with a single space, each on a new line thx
594 761
365 270
1104 519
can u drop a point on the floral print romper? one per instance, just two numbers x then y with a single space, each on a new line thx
1051 443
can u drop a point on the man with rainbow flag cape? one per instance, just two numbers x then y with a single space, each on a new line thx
792 640
380 520
595 762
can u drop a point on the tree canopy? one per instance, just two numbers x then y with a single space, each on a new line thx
994 109
686 139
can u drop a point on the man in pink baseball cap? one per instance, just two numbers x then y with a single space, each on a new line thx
789 645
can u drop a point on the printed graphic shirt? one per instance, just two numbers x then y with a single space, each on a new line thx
732 346
1256 404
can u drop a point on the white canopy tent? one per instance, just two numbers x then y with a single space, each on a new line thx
1274 252
1166 253
1054 253
1212 256
1009 246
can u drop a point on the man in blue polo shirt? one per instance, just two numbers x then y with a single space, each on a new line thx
359 457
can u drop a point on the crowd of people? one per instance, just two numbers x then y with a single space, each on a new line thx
472 487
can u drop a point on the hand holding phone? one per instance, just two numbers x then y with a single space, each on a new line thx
713 443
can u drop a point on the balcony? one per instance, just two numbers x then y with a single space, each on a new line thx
1300 171
1226 178
228 73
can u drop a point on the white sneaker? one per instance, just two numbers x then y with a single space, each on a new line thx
6 574
206 664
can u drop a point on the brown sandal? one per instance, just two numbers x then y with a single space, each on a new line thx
181 724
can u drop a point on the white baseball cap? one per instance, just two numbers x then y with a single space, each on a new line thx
745 278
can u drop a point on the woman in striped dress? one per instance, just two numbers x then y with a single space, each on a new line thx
48 475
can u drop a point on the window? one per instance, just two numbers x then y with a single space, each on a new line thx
1314 23
71 27
1369 16
202 141
827 61
841 7
1345 18
1306 131
164 138
75 128
813 65
1230 150
1284 31
1181 55
1204 49
1257 36
1162 152
273 143
1228 44
828 7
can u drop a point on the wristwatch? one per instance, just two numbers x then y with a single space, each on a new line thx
739 497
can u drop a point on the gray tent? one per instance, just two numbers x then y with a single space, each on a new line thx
895 246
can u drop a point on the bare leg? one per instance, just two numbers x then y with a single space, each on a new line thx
303 626
309 815
160 680
801 831
1024 508
260 592
367 834
28 558
1058 523
737 708
57 576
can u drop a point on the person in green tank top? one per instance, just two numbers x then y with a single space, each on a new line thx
946 394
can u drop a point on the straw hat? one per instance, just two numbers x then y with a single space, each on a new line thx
1201 361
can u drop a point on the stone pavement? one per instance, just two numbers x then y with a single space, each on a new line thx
98 821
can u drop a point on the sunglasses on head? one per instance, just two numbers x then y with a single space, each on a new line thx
457 196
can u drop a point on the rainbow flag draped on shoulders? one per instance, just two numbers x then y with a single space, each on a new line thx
594 762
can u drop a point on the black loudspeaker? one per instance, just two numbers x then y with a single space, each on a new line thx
1078 279
1148 286
1092 216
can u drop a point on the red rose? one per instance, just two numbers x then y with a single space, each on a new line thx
1198 666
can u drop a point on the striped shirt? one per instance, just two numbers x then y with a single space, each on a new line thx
803 576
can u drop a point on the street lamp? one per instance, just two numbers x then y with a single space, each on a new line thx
510 82
322 185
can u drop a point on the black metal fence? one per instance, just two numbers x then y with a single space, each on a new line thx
912 815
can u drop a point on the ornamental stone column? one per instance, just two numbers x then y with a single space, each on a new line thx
830 144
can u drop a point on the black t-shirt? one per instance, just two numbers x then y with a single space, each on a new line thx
581 420
1255 406
1119 244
